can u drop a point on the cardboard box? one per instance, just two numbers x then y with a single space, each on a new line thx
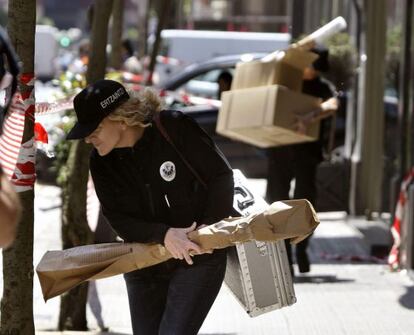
285 69
266 116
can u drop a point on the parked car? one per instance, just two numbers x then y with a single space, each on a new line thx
201 78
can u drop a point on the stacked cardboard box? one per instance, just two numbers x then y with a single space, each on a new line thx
262 107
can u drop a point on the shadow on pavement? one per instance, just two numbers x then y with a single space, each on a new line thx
344 250
89 332
321 279
407 299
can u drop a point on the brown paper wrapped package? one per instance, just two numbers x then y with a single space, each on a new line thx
61 270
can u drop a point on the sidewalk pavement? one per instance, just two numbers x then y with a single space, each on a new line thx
347 291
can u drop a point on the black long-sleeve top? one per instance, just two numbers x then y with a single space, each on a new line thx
146 189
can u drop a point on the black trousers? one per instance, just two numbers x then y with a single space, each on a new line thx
173 298
293 162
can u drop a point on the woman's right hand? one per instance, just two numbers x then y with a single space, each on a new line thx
177 243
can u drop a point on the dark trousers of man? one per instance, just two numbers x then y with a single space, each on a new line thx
294 162
173 298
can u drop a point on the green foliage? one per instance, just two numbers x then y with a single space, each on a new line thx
132 34
187 4
3 18
44 20
62 150
342 61
70 82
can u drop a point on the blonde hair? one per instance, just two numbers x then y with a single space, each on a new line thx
139 109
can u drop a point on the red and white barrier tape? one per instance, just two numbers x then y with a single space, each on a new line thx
55 107
18 157
400 219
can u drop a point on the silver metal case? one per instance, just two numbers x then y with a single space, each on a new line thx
257 273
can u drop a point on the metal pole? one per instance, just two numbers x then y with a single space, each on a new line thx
352 109
297 14
404 113
408 233
367 157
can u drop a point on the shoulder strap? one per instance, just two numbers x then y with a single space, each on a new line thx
167 137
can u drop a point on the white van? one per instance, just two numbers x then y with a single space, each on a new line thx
46 51
190 46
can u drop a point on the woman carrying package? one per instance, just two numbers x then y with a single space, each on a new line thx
158 177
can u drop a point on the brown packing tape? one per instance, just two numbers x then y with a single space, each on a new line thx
62 270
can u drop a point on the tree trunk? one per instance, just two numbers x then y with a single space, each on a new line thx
17 301
143 17
116 36
75 229
75 232
162 20
97 60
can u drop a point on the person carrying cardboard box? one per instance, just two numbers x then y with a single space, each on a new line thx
266 97
299 161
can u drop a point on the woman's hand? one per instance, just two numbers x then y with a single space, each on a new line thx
177 243
304 120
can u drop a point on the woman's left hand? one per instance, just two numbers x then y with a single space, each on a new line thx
177 243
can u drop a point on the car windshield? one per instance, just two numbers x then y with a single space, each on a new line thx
205 84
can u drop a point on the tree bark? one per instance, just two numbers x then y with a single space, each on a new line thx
162 21
97 60
17 301
75 229
116 36
143 17
75 232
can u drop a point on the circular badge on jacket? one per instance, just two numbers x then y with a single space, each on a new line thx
167 171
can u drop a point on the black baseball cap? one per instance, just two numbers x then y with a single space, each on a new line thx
93 104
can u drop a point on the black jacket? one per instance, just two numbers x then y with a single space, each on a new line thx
136 196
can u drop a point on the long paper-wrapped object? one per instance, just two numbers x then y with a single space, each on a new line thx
318 36
61 270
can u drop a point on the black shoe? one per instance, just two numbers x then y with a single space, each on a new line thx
303 262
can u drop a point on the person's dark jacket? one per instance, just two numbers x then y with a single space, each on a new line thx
140 204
